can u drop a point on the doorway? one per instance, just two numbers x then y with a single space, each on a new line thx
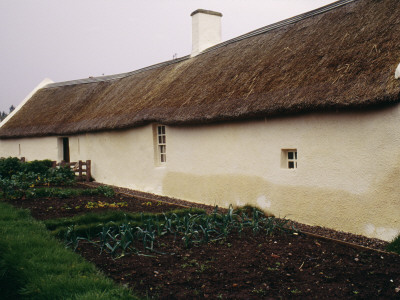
65 143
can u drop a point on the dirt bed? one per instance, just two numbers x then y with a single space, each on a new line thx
52 208
318 230
240 267
255 267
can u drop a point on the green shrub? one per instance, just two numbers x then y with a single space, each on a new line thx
394 246
40 167
9 166
44 192
19 177
16 186
61 176
100 190
41 193
89 192
106 191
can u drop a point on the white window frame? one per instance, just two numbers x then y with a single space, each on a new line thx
289 159
161 145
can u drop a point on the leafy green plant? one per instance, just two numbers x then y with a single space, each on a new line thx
16 186
103 235
207 229
71 238
40 167
127 238
60 176
193 227
112 243
295 292
43 192
16 178
9 166
106 191
394 245
260 291
101 204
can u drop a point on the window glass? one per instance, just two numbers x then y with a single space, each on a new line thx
161 145
289 159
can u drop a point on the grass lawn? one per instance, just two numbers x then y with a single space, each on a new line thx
34 265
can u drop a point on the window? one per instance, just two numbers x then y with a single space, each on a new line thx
289 159
161 153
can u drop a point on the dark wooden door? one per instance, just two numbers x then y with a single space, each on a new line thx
66 149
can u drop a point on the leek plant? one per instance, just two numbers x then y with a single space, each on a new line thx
193 228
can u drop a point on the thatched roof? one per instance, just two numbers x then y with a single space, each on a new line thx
338 59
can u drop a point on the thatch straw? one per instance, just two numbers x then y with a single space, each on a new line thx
339 60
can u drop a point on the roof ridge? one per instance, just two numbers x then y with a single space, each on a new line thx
234 40
115 76
280 24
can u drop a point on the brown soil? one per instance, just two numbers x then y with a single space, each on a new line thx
52 208
245 267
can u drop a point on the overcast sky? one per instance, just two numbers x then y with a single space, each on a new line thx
73 39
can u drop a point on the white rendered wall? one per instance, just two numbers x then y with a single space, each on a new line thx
30 148
347 177
123 158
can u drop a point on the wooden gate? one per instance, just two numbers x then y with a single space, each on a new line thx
81 169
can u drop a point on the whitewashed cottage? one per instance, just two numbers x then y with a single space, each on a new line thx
300 118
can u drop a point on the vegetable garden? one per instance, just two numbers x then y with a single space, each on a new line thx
161 250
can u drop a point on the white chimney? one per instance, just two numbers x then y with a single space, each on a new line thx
206 30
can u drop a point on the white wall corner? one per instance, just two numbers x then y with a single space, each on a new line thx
44 82
397 73
206 30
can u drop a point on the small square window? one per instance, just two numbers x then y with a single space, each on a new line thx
289 159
